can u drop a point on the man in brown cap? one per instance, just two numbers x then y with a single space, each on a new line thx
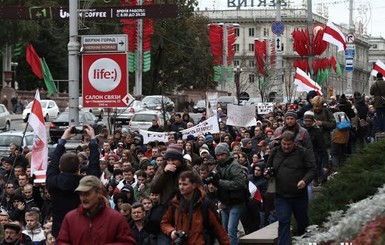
93 222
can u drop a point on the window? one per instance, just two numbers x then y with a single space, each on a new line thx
251 78
251 63
251 32
265 32
374 46
237 32
251 47
236 46
236 63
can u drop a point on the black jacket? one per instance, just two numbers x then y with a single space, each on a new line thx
61 185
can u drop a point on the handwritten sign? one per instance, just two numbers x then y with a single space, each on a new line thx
264 108
242 116
208 126
149 136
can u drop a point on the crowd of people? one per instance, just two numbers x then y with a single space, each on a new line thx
196 189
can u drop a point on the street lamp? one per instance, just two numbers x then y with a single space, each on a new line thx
237 79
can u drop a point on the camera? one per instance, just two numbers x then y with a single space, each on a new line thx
181 237
270 171
77 130
212 175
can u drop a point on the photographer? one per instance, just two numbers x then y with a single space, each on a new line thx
232 183
63 175
190 218
293 168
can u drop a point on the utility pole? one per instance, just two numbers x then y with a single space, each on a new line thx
310 29
225 54
349 86
278 58
139 56
73 63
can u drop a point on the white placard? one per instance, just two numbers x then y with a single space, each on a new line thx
241 116
150 136
208 126
264 108
211 103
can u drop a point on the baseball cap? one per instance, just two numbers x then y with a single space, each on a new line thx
88 182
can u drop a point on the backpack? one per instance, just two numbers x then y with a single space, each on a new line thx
208 232
153 218
342 120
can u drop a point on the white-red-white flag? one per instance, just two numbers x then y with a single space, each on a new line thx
334 36
39 157
305 83
378 67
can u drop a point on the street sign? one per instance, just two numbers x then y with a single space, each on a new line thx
104 43
128 99
277 28
105 80
349 64
96 13
350 38
350 52
278 44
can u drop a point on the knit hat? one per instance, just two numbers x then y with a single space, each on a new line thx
12 226
262 143
187 157
222 148
379 75
309 114
209 137
202 151
190 137
117 172
244 141
174 151
291 113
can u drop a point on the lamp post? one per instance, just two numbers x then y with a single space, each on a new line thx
237 79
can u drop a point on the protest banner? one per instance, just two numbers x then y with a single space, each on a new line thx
211 103
264 108
208 126
241 116
150 136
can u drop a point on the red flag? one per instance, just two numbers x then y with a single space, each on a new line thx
40 144
34 61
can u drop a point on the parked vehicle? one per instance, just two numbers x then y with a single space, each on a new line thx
143 119
16 137
5 120
157 102
223 101
124 114
200 106
49 107
98 112
57 127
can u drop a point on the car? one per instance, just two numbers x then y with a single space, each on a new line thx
124 114
5 120
200 106
223 101
157 102
12 136
57 127
98 112
143 119
49 107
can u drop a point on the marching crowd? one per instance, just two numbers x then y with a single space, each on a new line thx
204 189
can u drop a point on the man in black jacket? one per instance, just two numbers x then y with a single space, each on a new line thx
63 176
294 169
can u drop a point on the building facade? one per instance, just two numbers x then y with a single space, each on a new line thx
256 24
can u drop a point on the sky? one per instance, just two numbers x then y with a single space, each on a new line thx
338 11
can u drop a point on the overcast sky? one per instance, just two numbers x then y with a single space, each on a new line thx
338 11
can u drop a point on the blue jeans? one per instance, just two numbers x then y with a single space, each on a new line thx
230 219
380 119
285 207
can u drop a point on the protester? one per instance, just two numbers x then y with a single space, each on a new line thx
378 91
293 169
63 176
